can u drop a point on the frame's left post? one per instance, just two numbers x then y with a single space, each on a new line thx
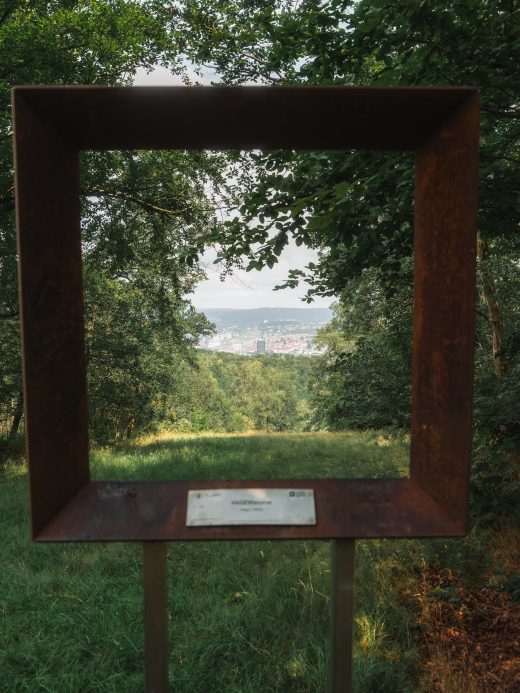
155 617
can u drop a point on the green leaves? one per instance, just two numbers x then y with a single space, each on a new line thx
364 378
146 216
254 265
356 208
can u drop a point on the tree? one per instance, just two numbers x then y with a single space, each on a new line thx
140 210
267 393
364 378
262 393
356 208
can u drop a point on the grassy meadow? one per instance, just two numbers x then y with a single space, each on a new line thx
255 455
243 616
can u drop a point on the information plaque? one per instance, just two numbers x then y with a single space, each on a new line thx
250 506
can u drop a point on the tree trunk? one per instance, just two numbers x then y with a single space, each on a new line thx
17 416
494 309
130 426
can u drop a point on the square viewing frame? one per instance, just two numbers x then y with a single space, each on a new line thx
53 124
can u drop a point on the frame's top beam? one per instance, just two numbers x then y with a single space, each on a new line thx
245 117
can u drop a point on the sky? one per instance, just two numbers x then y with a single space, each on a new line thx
243 289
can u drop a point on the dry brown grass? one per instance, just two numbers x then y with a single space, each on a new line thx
449 676
507 549
470 644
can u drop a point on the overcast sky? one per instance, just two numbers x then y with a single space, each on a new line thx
243 289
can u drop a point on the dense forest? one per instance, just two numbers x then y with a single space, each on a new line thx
213 392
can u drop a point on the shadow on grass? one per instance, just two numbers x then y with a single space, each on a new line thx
271 456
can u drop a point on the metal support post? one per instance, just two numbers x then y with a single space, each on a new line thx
155 617
342 615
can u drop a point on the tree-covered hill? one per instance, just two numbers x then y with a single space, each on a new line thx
225 392
254 317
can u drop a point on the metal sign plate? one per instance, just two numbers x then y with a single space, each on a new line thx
250 506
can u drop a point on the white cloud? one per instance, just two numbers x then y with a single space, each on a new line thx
255 289
162 77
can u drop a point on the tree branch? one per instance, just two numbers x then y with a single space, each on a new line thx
499 112
9 316
101 192
486 157
482 314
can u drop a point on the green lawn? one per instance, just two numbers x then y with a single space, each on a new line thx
256 456
243 616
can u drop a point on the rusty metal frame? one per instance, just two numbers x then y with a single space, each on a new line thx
53 124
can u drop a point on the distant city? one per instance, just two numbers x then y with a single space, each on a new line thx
289 331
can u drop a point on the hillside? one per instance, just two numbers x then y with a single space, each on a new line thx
238 317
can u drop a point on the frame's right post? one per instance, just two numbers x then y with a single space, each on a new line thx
342 615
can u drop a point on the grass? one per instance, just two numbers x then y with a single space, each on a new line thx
256 456
243 616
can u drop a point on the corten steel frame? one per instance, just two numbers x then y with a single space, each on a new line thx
53 124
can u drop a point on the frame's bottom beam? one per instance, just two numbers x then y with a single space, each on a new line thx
345 509
342 615
155 617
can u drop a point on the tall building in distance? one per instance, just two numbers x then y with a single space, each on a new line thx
259 331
